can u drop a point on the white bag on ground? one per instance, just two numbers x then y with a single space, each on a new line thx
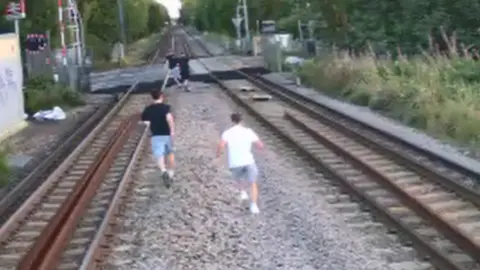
294 60
55 114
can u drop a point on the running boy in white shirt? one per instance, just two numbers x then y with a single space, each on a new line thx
238 140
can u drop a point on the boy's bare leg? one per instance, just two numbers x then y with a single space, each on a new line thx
254 191
177 81
185 86
254 195
242 185
171 164
252 175
161 163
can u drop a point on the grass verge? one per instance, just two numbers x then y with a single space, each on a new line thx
4 168
136 54
437 95
43 94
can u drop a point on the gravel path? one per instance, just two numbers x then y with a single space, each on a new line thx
200 224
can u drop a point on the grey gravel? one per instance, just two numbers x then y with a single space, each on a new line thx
200 223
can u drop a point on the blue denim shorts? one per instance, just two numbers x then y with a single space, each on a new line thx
161 146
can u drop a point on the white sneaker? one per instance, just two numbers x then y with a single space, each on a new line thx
254 208
171 173
243 195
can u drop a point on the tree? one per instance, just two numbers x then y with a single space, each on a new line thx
143 17
386 24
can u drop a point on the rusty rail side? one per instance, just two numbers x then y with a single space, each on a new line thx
52 239
94 250
444 226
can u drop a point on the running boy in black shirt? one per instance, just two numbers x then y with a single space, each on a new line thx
160 119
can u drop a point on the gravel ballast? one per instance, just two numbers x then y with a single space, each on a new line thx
199 223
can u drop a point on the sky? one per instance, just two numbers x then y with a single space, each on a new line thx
173 6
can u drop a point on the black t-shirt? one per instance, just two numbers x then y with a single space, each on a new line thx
156 114
171 61
184 68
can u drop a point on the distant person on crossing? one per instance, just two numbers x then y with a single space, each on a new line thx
162 126
183 63
239 140
173 68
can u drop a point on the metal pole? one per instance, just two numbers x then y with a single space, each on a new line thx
237 27
81 36
122 27
16 24
17 27
247 29
62 31
76 28
310 29
300 32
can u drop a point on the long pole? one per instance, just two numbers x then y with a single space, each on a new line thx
300 32
247 29
237 26
62 32
16 22
121 18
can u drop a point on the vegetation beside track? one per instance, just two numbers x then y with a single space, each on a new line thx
4 169
137 53
434 94
43 93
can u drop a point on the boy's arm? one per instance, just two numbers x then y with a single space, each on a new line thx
171 123
256 140
144 117
221 145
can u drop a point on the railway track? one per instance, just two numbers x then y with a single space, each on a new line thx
63 222
25 187
30 182
429 201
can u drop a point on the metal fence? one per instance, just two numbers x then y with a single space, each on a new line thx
39 63
47 63
275 53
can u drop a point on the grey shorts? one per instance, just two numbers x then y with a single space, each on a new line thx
161 146
248 173
175 73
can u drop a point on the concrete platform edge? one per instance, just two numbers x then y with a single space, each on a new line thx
14 129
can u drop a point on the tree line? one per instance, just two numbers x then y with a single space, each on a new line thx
386 24
100 18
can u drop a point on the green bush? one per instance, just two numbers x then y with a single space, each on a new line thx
437 95
4 169
42 93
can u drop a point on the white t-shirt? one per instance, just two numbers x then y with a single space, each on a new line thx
239 145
